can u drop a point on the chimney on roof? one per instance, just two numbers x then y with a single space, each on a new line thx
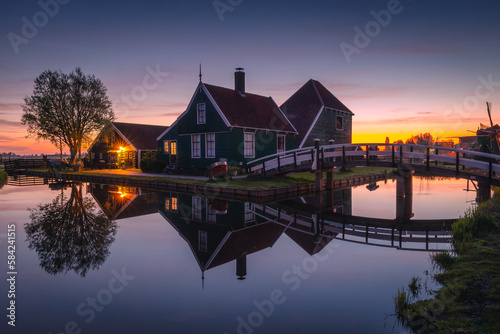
239 80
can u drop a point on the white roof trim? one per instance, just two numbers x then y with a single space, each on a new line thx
121 134
312 126
182 114
284 115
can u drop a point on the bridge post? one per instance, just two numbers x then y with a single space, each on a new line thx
279 163
329 179
457 166
428 158
490 169
437 153
411 151
295 159
264 167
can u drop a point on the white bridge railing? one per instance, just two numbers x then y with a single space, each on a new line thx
395 153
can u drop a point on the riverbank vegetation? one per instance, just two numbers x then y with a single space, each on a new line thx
469 300
3 176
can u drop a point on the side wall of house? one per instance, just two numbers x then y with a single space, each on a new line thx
326 128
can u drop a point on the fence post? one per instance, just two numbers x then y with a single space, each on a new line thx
401 154
428 158
463 156
393 157
343 156
295 159
437 153
411 151
264 167
279 163
367 156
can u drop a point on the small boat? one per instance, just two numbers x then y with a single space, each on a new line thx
219 169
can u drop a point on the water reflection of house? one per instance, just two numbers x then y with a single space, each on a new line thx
119 202
119 143
218 232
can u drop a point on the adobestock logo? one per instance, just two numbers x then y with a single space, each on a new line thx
30 28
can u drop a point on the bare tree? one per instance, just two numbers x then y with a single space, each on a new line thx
66 108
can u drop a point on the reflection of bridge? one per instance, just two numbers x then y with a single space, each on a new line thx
430 234
373 154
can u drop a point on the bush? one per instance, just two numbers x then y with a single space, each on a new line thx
151 164
443 259
476 223
3 176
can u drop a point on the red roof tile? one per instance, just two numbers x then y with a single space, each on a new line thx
249 110
142 136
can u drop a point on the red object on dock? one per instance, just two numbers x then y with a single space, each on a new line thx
219 169
219 206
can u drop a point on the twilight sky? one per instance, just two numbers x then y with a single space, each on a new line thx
402 67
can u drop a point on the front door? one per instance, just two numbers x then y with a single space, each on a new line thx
173 152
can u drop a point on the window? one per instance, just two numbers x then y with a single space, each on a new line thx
173 204
210 145
340 123
195 146
281 144
249 213
166 147
201 115
196 208
173 147
167 204
211 215
202 241
101 156
249 145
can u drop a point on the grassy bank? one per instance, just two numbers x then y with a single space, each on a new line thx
252 181
3 176
469 301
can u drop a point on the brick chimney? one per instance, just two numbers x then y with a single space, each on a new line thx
239 80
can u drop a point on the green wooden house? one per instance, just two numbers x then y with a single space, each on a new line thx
222 124
317 114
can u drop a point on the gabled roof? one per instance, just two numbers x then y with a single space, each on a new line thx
141 136
249 110
242 111
305 105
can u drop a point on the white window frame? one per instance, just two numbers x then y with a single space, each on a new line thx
336 122
278 143
249 213
201 113
246 149
196 208
193 142
211 215
207 149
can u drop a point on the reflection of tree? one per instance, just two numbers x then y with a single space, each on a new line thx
70 234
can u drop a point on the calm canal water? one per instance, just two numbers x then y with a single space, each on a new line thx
105 259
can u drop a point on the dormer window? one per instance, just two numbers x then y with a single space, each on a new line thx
201 118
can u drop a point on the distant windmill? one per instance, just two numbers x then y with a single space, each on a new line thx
488 106
493 133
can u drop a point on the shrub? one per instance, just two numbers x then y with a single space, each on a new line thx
151 164
443 259
475 223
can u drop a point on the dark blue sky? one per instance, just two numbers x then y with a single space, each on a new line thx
409 77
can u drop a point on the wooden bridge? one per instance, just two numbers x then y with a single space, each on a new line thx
430 158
